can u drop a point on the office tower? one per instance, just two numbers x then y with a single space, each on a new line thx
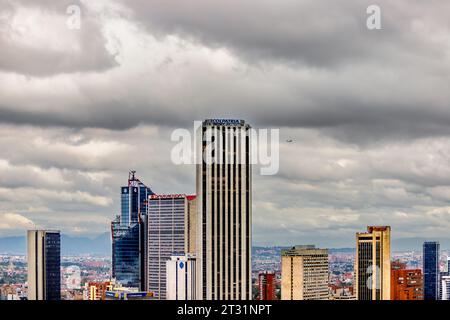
167 234
431 270
44 264
181 277
373 264
304 273
266 286
126 254
128 235
224 200
406 284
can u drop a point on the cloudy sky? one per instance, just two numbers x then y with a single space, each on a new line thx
368 110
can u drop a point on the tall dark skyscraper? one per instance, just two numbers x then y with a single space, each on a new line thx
44 264
430 270
129 235
224 204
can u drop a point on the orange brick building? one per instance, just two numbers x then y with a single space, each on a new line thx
406 284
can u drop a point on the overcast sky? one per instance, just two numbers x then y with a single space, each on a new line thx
368 110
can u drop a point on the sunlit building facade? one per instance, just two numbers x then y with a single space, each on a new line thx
304 273
373 264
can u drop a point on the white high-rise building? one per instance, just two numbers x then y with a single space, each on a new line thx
445 288
181 277
224 201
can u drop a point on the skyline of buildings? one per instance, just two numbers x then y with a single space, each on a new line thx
94 268
335 289
177 246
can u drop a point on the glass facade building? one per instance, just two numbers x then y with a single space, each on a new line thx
431 270
133 202
127 234
126 258
53 265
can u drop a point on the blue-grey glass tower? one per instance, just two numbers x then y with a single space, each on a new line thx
128 234
430 270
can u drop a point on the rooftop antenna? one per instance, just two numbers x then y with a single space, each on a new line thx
131 175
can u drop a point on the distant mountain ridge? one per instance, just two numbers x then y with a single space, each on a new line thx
70 245
101 245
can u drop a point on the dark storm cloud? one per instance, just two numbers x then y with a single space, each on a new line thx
310 64
361 83
116 118
317 33
113 115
